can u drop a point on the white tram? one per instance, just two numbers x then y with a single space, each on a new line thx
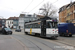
45 27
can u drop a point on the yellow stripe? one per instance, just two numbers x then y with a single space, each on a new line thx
69 33
30 30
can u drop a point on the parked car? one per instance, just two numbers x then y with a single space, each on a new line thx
18 30
6 31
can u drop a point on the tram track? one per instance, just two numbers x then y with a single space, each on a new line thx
30 41
66 42
42 43
61 41
37 45
25 47
57 42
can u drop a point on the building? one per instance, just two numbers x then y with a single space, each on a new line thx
67 13
9 23
25 18
40 16
15 23
12 22
2 22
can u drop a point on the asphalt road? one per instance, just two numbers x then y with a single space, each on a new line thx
20 41
70 38
67 40
37 43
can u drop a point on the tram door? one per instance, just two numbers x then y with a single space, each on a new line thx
43 28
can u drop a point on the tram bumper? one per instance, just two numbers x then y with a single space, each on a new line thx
52 35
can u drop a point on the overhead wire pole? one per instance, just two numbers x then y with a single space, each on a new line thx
35 7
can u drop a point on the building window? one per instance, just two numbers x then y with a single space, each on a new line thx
67 14
71 17
8 22
2 20
29 15
74 7
74 15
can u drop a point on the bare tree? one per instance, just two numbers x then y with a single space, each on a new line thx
49 10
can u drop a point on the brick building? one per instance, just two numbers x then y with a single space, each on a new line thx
67 13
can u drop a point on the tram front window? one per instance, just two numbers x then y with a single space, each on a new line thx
51 25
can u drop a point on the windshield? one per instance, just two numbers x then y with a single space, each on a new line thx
51 25
7 29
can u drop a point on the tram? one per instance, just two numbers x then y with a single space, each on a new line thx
44 27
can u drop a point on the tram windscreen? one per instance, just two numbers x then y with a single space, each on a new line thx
54 24
51 25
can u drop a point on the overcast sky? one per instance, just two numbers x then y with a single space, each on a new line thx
11 8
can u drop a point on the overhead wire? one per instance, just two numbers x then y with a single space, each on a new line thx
35 6
55 2
28 5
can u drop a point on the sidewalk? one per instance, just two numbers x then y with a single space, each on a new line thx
8 43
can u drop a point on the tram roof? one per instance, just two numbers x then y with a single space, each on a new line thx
41 19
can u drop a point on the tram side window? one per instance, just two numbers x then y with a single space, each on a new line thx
36 25
31 26
27 26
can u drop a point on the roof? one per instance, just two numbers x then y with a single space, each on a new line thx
42 19
12 18
22 15
65 23
67 5
40 16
